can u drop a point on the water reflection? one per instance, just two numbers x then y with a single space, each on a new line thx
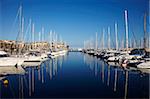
114 71
115 82
85 76
108 78
21 89
103 68
49 67
27 83
126 84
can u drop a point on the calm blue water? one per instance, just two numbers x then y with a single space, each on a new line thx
77 75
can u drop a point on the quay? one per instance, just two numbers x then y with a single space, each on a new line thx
13 47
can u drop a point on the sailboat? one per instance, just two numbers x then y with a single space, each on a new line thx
55 52
137 60
146 64
7 60
9 65
115 57
33 57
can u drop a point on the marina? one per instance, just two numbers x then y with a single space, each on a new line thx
59 78
74 49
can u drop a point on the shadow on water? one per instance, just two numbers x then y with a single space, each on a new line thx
76 75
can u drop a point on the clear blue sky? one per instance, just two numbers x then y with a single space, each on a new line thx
74 20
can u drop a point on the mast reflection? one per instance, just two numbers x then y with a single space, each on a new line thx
103 68
50 69
108 78
39 74
55 64
96 66
29 81
126 84
115 81
42 70
33 80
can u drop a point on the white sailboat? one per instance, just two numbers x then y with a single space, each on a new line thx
6 60
146 64
10 61
114 57
56 52
33 57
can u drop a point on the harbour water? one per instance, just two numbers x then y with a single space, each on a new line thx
76 75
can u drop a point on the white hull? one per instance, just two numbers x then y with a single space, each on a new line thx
144 65
6 70
113 59
33 59
11 61
58 53
113 64
31 64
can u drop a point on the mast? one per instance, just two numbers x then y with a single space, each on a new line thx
42 34
56 39
33 32
22 30
103 39
32 35
109 38
134 44
96 43
20 21
39 36
145 36
116 34
84 45
122 43
50 36
126 28
142 45
21 35
51 39
130 43
30 25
